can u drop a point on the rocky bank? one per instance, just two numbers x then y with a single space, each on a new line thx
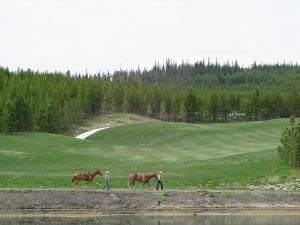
136 201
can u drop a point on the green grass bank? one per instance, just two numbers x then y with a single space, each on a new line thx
231 155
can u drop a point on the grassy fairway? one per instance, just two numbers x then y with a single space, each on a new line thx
191 155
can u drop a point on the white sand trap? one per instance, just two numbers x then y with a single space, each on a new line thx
88 133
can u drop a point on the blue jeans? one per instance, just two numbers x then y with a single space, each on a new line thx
159 182
106 185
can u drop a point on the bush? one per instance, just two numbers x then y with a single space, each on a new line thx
289 151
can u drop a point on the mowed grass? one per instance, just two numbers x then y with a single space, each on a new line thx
190 155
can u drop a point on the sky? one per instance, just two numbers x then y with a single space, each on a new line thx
102 35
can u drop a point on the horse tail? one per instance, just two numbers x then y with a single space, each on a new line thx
73 179
129 180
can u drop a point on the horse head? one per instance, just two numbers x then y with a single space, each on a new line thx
98 172
155 175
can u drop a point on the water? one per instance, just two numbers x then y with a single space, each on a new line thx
293 219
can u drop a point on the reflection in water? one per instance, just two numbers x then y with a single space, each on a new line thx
151 220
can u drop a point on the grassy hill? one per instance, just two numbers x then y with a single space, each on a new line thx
190 155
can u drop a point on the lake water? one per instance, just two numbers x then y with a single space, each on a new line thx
292 219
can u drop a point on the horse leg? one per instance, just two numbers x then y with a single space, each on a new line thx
131 184
148 183
90 182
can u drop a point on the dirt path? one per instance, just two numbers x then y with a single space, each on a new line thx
98 123
90 132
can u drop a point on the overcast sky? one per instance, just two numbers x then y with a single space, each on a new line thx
111 34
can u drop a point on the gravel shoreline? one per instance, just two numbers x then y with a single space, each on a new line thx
127 202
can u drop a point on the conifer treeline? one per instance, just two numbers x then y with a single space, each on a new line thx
214 75
53 102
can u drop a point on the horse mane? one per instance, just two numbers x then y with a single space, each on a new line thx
150 173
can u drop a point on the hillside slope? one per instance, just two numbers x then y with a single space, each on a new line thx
191 156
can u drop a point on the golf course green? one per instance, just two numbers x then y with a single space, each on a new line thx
228 155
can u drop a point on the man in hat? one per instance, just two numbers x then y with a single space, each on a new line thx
106 179
159 181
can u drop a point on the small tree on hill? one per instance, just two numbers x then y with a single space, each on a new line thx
289 151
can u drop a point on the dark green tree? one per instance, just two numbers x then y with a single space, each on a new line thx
17 116
292 120
224 108
213 106
190 105
255 104
48 118
149 110
289 151
125 105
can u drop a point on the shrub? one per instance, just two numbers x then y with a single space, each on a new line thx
289 151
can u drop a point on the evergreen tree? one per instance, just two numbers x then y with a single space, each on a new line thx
55 101
294 102
289 151
17 116
162 111
190 105
23 115
176 107
48 119
104 105
199 113
182 112
248 110
113 108
149 110
292 120
125 105
96 98
1 115
254 102
65 117
224 108
8 119
214 106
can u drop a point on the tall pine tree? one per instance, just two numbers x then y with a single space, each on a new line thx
191 105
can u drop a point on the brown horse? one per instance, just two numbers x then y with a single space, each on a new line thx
139 177
86 176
